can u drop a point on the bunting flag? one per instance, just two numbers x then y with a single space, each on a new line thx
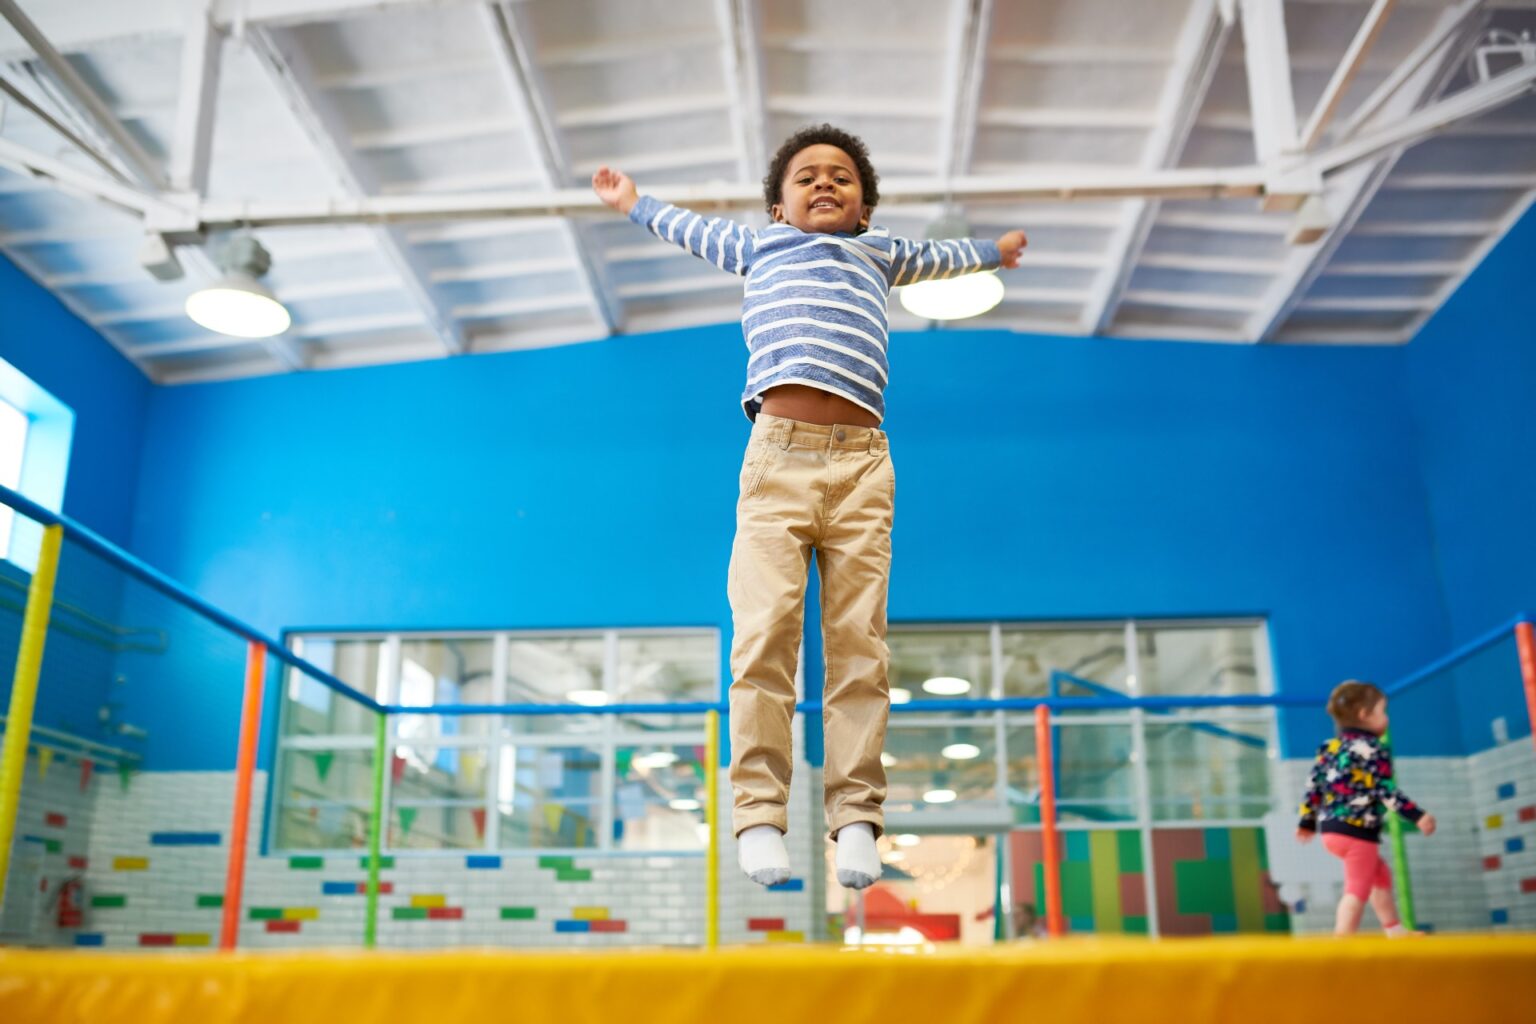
407 819
44 759
478 814
86 764
397 768
124 774
323 761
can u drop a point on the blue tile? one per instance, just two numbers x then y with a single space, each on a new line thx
1075 847
89 939
1499 917
35 839
485 861
184 839
573 926
339 888
1218 844
1514 845
1223 924
793 885
1507 791
1080 924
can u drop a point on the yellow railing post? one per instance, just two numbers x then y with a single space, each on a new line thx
712 822
29 667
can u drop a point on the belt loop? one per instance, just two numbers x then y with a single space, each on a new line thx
786 430
876 442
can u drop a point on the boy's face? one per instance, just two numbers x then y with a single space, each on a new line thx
822 192
1375 720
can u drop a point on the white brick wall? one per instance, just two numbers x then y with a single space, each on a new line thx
1503 790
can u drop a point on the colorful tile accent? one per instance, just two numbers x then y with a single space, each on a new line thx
482 862
210 900
90 939
265 913
1506 791
445 913
590 913
130 864
573 926
429 900
784 937
55 820
306 863
184 839
765 924
384 862
573 875
793 885
1528 885
281 927
106 901
1514 845
410 913
517 913
193 939
339 888
609 926
1528 813
1491 863
1493 821
1498 917
301 913
79 863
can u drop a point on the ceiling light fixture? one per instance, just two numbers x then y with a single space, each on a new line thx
238 304
961 751
956 298
947 686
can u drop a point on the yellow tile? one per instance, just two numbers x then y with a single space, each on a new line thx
785 936
301 913
130 864
1494 820
193 939
429 900
590 913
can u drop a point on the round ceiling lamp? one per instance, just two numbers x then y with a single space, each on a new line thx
237 303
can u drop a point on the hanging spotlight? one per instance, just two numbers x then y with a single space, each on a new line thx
958 297
237 304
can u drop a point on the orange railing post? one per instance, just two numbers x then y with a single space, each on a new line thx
245 766
1525 640
1051 841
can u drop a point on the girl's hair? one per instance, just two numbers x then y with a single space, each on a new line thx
815 135
1350 700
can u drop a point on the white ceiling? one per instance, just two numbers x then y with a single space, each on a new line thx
331 99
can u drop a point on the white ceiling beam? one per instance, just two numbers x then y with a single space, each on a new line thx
1067 117
93 107
970 27
512 41
1349 66
401 72
193 145
1412 268
642 110
1190 300
1368 304
1197 55
1086 57
504 269
68 178
1472 181
291 76
1350 191
523 307
1424 228
434 132
1449 23
630 47
1268 66
1209 264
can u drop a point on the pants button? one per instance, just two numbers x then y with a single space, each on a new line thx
841 435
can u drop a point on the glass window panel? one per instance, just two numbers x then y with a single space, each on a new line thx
548 797
325 799
668 669
13 445
1205 660
451 670
658 798
1207 769
1094 656
556 670
940 664
1095 780
314 709
934 768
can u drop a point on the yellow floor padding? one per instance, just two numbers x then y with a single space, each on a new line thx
1441 980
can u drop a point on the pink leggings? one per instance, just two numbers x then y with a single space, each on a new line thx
1364 869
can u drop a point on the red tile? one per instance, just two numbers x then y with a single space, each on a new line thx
609 926
154 939
284 926
78 863
384 887
1528 813
1528 885
54 820
445 913
1491 863
765 924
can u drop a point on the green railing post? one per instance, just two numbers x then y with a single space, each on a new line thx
1402 885
375 830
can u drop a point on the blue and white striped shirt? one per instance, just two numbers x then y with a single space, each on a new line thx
814 311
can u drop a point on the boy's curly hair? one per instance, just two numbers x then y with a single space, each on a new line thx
1349 702
814 135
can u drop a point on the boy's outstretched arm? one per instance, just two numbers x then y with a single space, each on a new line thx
912 262
725 243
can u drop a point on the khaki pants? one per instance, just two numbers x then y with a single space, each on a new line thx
829 488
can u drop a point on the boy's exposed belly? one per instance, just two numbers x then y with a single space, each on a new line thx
813 405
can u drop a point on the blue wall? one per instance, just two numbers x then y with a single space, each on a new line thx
110 399
1472 385
593 485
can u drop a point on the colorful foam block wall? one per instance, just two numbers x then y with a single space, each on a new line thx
1206 881
1503 784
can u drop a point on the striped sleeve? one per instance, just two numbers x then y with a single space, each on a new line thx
912 262
725 243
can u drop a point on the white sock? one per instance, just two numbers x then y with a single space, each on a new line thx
761 854
858 860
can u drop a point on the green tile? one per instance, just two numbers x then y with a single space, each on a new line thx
306 863
555 862
1129 850
1075 846
210 900
1280 922
1077 889
410 913
105 900
53 845
573 875
384 862
1204 887
517 913
266 913
1263 848
1136 924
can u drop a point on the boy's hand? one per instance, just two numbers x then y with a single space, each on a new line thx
615 188
1304 835
1011 245
1427 824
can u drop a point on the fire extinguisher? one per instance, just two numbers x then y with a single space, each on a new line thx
71 903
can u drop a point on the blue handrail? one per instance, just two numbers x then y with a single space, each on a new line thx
87 538
1457 656
1205 727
